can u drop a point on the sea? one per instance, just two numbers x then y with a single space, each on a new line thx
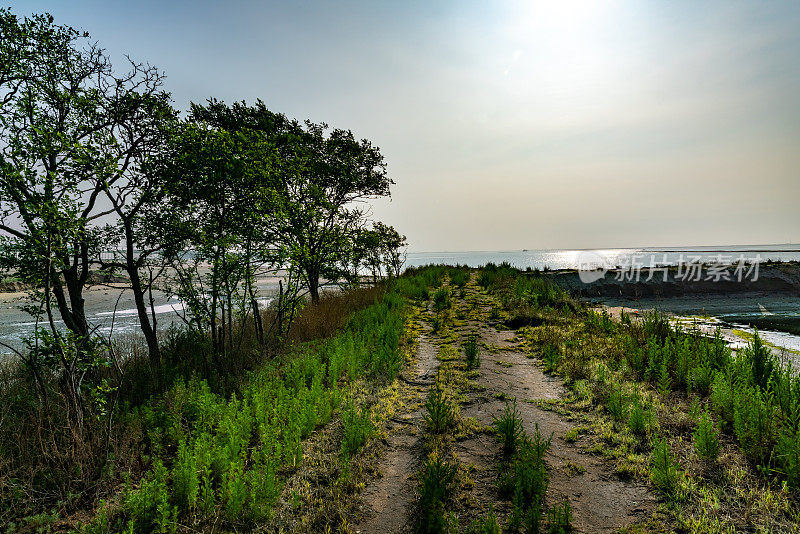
115 315
571 259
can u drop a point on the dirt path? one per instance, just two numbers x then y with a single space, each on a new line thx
600 501
387 501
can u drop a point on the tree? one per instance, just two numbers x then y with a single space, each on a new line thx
68 133
322 202
135 199
220 185
393 248
321 177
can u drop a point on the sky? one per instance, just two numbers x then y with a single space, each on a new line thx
513 124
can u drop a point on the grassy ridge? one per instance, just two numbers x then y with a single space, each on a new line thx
192 445
679 409
215 457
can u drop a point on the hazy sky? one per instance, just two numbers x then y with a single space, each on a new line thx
510 125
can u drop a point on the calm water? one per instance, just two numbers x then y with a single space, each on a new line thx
568 259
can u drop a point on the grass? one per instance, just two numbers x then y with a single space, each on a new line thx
193 446
669 399
509 427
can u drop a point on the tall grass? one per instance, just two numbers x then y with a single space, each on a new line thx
231 450
202 441
754 397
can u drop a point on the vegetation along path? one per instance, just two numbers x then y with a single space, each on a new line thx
501 376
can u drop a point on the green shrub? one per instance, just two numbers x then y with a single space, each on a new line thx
664 378
787 456
700 378
436 481
723 396
656 325
527 479
638 417
440 414
441 299
617 403
234 492
528 519
148 507
754 423
761 360
459 277
551 357
471 351
509 427
185 478
559 518
357 428
663 469
487 525
706 440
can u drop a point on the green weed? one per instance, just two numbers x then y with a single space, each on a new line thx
440 416
509 427
706 441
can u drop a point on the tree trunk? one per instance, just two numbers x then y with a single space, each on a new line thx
313 289
153 350
131 267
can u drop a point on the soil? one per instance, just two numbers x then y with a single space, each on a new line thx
388 500
600 500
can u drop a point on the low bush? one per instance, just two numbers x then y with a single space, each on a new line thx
639 417
436 480
617 403
663 469
551 357
559 518
440 415
459 277
527 480
706 440
441 299
487 525
357 428
471 351
509 427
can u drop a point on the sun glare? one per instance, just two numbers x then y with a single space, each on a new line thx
566 54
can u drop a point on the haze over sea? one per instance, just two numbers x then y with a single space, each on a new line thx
568 259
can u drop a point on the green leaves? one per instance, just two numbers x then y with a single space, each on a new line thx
706 440
663 468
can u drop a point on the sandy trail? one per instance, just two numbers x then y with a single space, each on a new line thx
388 499
600 501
